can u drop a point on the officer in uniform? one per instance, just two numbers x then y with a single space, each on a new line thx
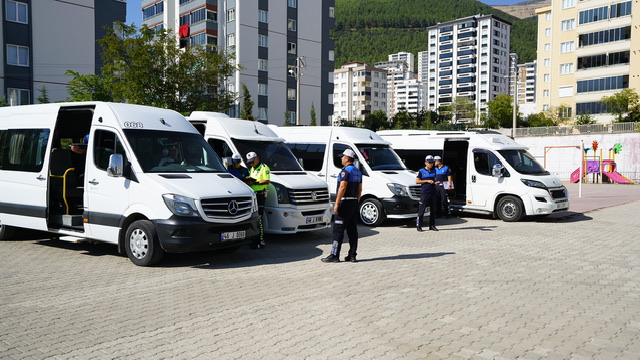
346 208
427 179
259 179
443 174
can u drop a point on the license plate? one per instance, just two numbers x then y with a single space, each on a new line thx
234 235
314 219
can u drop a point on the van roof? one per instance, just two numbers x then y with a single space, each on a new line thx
322 134
218 123
421 139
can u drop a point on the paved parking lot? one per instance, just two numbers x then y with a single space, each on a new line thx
554 288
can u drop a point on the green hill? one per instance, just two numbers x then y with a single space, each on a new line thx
369 30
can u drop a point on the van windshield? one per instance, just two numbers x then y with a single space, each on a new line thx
174 152
523 162
380 157
274 154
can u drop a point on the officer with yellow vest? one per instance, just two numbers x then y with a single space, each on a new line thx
260 177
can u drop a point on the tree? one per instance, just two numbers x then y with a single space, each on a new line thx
3 101
287 115
500 112
403 120
375 121
246 110
623 102
44 96
149 68
585 119
539 120
312 115
462 107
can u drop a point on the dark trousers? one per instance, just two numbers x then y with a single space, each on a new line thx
443 201
346 219
261 196
427 199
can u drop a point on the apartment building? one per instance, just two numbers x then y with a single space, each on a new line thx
404 91
423 66
468 57
41 40
527 87
277 43
359 90
586 50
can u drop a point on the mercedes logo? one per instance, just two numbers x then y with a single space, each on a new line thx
314 195
233 207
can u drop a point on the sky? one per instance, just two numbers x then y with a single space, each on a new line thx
134 11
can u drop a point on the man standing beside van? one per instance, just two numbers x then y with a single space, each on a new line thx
260 177
427 179
346 208
443 183
236 169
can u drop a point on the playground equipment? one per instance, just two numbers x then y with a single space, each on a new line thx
601 169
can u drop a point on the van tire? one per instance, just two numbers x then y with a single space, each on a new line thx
141 243
6 232
510 209
372 212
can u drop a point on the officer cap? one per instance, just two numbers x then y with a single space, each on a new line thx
250 156
429 158
436 158
350 153
236 159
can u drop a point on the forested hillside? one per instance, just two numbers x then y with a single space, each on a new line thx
369 30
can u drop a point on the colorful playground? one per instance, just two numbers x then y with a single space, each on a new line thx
601 169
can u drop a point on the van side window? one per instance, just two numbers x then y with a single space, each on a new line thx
106 143
23 149
222 148
483 161
311 154
337 150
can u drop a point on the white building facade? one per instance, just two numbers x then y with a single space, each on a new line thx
269 38
359 90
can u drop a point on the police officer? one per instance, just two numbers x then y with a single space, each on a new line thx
259 179
443 176
427 178
346 208
236 169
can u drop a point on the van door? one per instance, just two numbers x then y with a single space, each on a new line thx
483 186
107 198
334 165
24 177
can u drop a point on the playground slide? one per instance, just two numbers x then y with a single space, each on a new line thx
614 176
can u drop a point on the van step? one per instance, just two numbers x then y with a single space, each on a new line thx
72 220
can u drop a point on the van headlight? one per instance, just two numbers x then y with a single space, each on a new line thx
181 205
534 183
282 193
397 189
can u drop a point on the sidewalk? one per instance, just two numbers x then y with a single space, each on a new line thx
597 196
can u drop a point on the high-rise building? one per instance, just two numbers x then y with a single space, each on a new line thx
359 90
269 39
41 40
468 57
527 87
404 91
423 67
586 50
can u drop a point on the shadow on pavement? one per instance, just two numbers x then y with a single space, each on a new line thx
564 216
92 248
409 256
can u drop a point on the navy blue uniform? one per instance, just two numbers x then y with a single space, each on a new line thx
241 173
347 216
427 197
442 175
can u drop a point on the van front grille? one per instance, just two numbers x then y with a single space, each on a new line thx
309 196
415 191
226 208
558 193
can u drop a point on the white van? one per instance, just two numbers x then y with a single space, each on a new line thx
128 189
492 173
389 190
296 201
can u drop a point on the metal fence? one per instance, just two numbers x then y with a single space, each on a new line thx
628 127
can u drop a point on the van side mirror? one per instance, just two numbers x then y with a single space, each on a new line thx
116 166
497 170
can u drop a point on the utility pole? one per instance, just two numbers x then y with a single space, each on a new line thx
515 100
299 65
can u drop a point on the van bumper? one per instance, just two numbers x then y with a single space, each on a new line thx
180 235
299 219
400 207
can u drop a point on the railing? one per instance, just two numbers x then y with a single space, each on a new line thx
628 127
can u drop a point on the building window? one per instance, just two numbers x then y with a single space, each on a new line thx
566 47
568 3
231 15
547 62
545 93
292 117
263 64
18 97
547 47
263 16
17 55
292 3
291 94
198 15
231 40
263 89
566 68
231 87
292 25
603 84
17 12
569 24
332 11
263 40
547 16
212 16
331 55
547 32
546 77
291 48
262 113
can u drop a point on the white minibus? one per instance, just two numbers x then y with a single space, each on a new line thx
136 176
492 173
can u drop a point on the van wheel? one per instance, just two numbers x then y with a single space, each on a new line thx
510 209
371 212
6 232
141 242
